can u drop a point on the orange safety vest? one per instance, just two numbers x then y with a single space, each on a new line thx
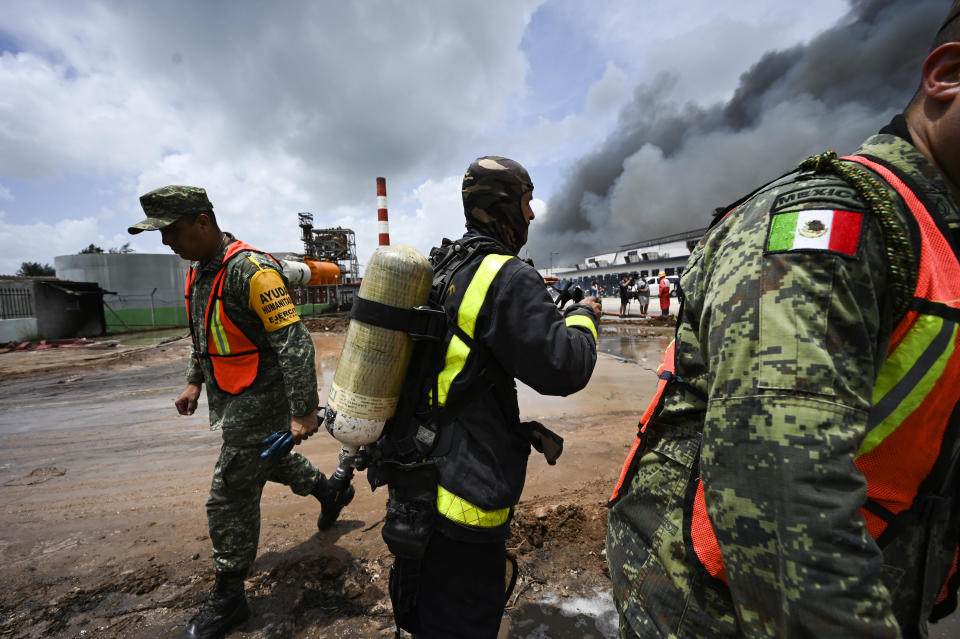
233 355
915 417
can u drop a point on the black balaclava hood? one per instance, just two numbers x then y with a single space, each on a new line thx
492 189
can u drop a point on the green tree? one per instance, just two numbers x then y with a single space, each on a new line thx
35 268
91 249
126 248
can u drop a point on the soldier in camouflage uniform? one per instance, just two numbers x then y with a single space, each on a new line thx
778 352
280 390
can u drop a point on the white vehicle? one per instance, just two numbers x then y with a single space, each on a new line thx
654 283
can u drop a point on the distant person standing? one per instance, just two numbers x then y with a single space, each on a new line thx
643 295
624 290
664 293
595 290
257 361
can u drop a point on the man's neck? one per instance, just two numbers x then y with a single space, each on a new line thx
216 247
920 132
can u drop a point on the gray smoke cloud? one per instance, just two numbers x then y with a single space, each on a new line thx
667 166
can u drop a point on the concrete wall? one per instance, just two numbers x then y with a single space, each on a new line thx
48 308
18 330
68 309
133 277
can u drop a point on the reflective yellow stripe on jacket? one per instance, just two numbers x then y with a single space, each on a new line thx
219 334
449 505
457 351
581 320
462 511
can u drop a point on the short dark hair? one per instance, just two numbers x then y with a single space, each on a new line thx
192 217
950 30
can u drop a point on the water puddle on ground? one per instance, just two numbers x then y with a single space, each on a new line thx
637 345
552 617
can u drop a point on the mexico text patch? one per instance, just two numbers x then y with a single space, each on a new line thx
271 301
812 230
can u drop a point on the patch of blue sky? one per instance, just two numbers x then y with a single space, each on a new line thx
564 64
8 44
68 196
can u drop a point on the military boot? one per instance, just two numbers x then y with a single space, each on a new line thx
224 608
332 500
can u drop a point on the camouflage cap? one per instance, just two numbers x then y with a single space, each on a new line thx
492 189
166 205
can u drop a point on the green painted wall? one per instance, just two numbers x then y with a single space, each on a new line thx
122 320
126 319
305 310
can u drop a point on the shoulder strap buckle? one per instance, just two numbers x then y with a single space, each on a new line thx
427 323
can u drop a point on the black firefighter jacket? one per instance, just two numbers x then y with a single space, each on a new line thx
519 333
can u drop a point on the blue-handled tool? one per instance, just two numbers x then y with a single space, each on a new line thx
277 445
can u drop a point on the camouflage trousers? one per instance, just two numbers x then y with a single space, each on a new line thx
233 507
656 588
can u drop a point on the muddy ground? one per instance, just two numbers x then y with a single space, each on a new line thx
102 490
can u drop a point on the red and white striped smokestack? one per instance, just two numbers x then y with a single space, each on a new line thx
382 221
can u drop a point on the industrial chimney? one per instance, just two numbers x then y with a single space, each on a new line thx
382 222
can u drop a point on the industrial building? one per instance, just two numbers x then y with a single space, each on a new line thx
141 290
145 290
49 308
644 258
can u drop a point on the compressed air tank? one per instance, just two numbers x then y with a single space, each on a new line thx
323 273
310 272
297 273
373 364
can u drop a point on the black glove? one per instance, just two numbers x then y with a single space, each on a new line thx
546 441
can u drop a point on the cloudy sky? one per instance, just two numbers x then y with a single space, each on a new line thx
634 118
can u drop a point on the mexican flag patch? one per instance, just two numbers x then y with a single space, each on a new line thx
815 230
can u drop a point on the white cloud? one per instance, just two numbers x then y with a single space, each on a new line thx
297 106
551 141
33 242
273 109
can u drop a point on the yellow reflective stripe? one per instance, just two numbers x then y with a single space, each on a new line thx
255 263
219 335
473 298
456 358
477 291
918 339
581 320
462 511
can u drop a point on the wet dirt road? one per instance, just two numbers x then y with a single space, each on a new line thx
104 534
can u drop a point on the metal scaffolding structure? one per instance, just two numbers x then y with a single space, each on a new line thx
336 245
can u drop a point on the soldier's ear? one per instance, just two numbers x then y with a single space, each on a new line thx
941 72
204 222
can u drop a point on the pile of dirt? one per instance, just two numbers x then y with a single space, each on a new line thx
575 529
557 546
334 322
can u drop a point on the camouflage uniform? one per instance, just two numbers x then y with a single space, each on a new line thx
780 353
286 384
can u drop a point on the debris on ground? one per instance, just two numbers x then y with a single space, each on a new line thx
44 344
333 322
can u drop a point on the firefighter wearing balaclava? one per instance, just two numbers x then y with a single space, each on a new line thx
455 454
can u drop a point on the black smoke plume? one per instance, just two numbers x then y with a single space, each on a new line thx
667 166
